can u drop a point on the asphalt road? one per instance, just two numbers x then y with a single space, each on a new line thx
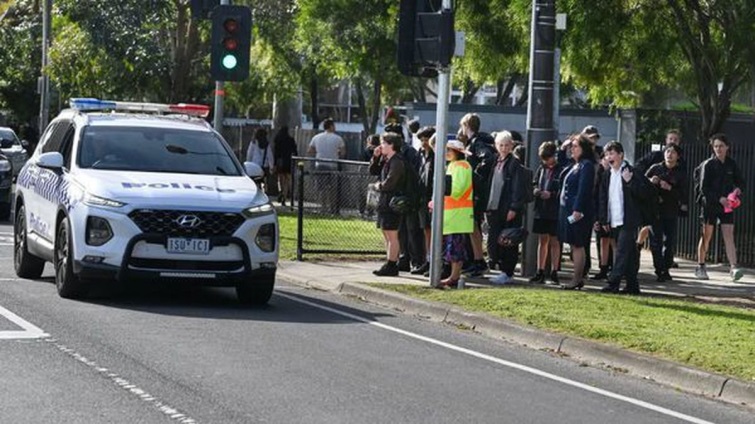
162 354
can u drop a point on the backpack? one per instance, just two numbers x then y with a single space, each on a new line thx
524 182
407 199
698 184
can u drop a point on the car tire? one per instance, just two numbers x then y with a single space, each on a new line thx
256 292
68 284
25 264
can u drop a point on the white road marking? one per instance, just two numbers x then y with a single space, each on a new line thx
126 385
31 331
505 363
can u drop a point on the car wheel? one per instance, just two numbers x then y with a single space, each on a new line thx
257 292
68 284
25 264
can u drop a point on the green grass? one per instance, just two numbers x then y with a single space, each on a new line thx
715 338
330 234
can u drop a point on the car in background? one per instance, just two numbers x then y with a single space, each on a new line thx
13 149
6 187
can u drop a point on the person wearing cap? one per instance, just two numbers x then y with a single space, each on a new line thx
505 206
670 181
458 211
720 177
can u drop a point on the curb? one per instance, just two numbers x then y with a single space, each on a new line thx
685 378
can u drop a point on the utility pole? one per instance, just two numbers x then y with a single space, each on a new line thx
439 174
219 95
540 125
44 80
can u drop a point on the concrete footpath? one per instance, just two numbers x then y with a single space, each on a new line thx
349 278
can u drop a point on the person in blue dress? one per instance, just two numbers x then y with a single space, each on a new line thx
577 211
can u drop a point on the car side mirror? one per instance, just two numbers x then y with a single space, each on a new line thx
6 143
254 171
50 160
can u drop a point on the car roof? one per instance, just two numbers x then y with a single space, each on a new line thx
175 121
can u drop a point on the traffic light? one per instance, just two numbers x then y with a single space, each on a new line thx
231 43
426 37
201 9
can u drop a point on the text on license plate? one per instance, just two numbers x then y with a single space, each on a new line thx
189 246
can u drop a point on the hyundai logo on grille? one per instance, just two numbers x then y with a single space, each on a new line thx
188 221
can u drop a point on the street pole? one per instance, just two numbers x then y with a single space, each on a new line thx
439 175
44 81
540 126
219 95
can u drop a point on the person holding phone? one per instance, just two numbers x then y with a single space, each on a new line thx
576 212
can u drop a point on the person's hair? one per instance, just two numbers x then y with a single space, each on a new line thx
457 154
328 123
502 136
613 146
462 137
426 132
675 148
520 152
547 150
588 153
719 136
674 131
260 134
394 139
517 137
471 120
395 128
373 140
414 126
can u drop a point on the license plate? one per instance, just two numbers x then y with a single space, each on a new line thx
189 246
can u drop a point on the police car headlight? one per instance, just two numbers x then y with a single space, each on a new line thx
93 200
98 232
5 166
261 210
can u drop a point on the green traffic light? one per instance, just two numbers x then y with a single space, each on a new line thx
230 61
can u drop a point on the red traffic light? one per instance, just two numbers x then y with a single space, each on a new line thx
230 44
231 25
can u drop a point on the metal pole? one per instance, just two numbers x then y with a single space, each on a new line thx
439 176
300 214
540 126
44 82
219 95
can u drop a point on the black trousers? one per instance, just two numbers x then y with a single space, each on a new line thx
507 257
411 239
626 257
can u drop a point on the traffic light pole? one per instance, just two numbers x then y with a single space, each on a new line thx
439 175
540 119
219 95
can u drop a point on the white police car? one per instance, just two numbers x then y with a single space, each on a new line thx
119 190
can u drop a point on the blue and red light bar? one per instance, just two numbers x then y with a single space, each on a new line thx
182 108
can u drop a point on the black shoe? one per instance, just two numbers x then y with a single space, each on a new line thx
492 265
404 266
631 292
610 288
539 278
674 265
554 277
389 269
421 269
602 275
668 277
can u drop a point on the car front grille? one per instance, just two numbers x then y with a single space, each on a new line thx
186 223
173 265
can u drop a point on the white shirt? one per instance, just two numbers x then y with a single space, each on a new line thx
615 199
263 158
327 145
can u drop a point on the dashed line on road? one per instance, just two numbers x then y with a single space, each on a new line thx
30 331
126 385
509 364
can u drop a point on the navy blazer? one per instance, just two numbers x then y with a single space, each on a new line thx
577 188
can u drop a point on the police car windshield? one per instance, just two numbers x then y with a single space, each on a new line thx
148 149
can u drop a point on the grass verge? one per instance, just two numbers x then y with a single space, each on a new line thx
329 233
711 337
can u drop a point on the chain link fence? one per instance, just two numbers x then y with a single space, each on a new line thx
333 216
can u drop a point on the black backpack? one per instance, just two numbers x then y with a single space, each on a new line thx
407 199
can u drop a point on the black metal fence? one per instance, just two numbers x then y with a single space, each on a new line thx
333 216
744 217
